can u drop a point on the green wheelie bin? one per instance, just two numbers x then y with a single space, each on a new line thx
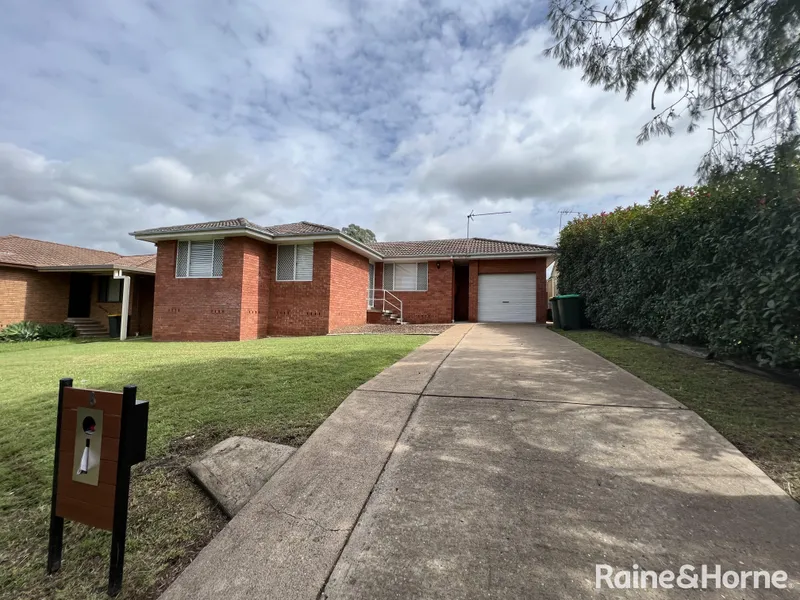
570 311
556 315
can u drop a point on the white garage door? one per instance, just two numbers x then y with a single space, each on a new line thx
507 298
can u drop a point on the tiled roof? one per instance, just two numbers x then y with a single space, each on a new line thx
15 250
301 228
455 247
207 226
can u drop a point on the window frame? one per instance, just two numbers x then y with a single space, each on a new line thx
416 276
213 242
103 287
294 263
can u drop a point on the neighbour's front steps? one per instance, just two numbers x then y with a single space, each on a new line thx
383 317
88 327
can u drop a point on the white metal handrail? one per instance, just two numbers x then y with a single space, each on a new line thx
386 298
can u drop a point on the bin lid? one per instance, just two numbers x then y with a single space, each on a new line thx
568 296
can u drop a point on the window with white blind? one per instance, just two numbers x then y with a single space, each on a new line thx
295 262
405 277
199 259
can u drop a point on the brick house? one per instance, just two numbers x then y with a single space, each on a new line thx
235 280
47 282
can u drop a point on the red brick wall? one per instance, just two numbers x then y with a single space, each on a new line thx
256 274
511 265
473 290
348 288
302 307
27 295
433 306
199 309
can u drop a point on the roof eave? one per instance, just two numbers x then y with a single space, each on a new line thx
17 265
94 268
487 256
157 236
291 238
336 236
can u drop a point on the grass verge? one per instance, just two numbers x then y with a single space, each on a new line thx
759 416
277 389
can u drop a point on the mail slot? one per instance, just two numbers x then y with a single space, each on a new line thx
99 436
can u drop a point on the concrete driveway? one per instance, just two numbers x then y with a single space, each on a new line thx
502 462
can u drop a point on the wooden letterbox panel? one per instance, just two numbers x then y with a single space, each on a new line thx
89 497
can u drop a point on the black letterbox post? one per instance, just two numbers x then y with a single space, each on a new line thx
99 436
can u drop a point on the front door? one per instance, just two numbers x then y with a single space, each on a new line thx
80 295
461 293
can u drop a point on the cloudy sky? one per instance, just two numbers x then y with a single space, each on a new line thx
401 116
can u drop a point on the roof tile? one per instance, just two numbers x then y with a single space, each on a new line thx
301 228
455 247
15 250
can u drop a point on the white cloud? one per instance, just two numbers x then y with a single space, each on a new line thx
400 116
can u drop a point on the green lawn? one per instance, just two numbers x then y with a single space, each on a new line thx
759 416
277 389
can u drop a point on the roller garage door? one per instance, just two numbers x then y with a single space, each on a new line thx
507 298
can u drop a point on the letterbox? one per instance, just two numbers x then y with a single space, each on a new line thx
99 435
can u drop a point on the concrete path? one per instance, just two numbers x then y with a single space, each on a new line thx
501 462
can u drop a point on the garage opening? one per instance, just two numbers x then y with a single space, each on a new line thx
507 298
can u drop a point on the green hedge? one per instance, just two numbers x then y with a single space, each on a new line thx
716 265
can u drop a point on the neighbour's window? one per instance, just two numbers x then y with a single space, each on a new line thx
405 277
295 262
109 290
199 259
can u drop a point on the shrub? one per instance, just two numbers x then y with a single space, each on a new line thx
58 331
716 265
28 331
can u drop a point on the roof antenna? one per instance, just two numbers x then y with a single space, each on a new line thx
471 216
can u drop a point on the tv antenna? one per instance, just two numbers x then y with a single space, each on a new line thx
561 213
471 216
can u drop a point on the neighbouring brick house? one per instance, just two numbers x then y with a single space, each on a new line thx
235 280
47 282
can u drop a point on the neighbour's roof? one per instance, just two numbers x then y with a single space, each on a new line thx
462 247
455 247
27 252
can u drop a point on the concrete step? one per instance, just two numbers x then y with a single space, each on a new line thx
86 327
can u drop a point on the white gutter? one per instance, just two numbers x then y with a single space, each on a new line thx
202 234
428 258
342 239
334 236
93 269
126 297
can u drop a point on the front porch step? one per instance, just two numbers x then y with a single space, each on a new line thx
389 318
86 327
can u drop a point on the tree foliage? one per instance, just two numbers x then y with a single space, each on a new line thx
735 61
366 236
716 265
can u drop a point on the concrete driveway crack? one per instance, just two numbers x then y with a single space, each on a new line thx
309 519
